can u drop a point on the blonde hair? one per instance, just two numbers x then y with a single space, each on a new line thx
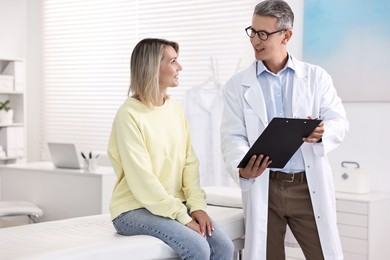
144 69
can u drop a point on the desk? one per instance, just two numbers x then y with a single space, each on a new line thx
61 193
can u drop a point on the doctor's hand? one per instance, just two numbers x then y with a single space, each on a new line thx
255 167
316 135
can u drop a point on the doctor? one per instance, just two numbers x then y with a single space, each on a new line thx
301 195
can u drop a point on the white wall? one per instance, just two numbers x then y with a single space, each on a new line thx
34 74
13 29
296 43
367 143
21 28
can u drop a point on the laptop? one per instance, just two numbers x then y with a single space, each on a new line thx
64 155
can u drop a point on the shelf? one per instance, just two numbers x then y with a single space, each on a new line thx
8 59
11 92
11 125
9 158
12 131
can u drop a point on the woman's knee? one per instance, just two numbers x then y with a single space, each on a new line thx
221 245
196 249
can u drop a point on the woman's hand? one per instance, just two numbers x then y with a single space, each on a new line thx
201 223
194 226
255 167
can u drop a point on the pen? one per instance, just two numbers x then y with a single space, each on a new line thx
83 155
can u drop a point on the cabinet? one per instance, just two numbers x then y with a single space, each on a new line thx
12 130
61 193
362 220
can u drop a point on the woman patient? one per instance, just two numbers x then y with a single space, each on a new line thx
157 192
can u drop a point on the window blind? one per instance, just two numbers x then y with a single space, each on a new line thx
87 49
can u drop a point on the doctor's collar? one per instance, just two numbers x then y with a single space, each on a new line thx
260 67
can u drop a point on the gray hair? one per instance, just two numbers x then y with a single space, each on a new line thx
276 8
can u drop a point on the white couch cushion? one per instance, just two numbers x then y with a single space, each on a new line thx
223 196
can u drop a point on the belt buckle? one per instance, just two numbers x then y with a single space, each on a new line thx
292 179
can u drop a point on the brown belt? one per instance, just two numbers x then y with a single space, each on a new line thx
287 177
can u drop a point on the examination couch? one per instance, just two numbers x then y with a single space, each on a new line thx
94 237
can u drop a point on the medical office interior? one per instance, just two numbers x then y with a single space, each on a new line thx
64 67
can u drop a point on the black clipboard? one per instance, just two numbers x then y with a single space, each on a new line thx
280 140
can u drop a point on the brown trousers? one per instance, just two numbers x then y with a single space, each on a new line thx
290 204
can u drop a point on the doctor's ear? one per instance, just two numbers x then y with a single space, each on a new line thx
287 36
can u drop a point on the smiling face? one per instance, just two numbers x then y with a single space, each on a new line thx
273 49
169 69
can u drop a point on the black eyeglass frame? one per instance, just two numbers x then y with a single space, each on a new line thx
261 31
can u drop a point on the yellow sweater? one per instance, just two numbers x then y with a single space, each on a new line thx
155 165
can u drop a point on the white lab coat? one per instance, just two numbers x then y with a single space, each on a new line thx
245 117
203 107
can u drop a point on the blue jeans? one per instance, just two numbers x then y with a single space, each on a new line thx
184 241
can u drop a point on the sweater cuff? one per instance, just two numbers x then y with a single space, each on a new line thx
183 218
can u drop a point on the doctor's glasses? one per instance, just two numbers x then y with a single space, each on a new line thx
263 35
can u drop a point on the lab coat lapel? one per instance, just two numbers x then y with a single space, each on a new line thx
300 94
254 95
